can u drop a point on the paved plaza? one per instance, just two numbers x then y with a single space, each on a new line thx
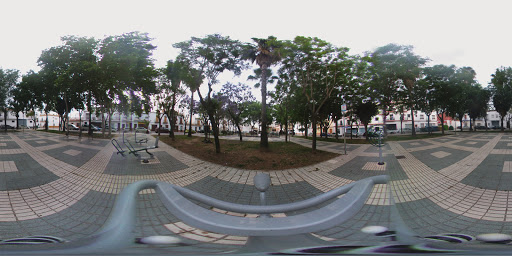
65 187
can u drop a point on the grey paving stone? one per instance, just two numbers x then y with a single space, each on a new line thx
30 173
78 156
471 143
374 149
436 163
225 190
94 142
414 144
39 142
421 221
353 169
489 174
503 145
130 165
341 147
9 144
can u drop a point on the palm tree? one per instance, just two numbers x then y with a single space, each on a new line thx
265 53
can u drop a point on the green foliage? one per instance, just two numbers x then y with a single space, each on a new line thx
211 56
395 71
317 69
501 87
126 66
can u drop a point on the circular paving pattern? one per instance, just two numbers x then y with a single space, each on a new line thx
66 187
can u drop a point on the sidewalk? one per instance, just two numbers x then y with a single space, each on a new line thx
66 187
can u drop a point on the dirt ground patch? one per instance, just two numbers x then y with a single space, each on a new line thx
247 155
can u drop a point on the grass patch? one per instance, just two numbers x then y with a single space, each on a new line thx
247 155
339 140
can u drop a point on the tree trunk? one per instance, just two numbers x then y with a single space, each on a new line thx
239 131
67 114
172 117
441 116
80 126
366 130
103 124
385 113
264 135
109 121
502 117
306 129
428 124
191 114
336 128
5 120
286 123
413 127
401 123
215 128
46 125
313 123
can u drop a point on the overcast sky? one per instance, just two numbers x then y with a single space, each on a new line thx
463 33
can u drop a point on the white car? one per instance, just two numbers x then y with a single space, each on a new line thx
141 130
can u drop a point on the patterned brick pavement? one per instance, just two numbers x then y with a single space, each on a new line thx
53 185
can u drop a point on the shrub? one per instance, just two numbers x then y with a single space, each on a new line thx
451 128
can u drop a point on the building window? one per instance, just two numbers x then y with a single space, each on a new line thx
376 119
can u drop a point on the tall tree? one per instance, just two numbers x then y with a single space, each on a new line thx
8 80
192 78
501 87
212 55
365 111
462 82
69 73
236 103
439 81
128 73
318 68
32 86
265 52
396 68
478 103
174 90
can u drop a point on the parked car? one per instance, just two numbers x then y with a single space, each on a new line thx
113 129
85 127
2 127
162 130
141 130
73 127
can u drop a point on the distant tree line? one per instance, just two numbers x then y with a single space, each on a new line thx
312 79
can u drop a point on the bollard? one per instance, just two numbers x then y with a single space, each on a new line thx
377 142
262 183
